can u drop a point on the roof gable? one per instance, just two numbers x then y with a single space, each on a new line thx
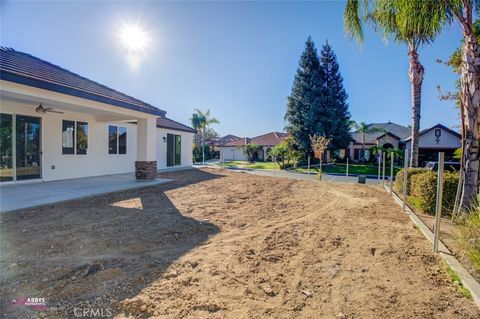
23 68
443 127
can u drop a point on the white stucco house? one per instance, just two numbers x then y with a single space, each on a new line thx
437 138
56 124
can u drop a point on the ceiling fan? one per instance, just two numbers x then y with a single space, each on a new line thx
43 110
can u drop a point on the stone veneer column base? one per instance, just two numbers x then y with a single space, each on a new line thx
145 170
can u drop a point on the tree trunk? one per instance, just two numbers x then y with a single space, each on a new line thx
320 168
203 147
415 73
470 98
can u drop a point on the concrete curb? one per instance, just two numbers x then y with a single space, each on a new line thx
467 280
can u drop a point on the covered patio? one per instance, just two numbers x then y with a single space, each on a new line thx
27 195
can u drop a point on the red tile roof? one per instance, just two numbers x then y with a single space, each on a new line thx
269 139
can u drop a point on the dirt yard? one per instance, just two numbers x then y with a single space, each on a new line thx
215 244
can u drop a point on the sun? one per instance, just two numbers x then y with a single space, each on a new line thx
134 37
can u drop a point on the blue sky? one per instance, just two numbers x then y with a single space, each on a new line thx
237 59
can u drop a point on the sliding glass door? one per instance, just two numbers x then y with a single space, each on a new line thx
174 148
20 152
6 147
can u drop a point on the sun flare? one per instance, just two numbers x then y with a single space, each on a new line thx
134 37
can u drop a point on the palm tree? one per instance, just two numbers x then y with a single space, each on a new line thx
363 128
250 150
463 11
411 22
196 122
200 122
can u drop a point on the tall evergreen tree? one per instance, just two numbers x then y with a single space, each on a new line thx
304 102
334 118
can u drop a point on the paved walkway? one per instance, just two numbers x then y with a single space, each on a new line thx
18 196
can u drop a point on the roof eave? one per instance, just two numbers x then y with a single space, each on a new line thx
176 129
19 79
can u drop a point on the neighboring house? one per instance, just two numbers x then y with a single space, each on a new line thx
234 150
435 139
220 141
216 143
56 124
389 135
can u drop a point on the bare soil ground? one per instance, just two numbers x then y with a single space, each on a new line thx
449 236
220 244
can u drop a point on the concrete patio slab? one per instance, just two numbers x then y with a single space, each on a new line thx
18 196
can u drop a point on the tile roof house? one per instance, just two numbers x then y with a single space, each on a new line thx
233 150
220 141
59 125
399 136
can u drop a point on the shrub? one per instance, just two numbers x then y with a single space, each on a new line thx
469 235
398 186
197 153
424 190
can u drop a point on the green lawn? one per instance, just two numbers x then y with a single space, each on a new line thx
360 169
256 165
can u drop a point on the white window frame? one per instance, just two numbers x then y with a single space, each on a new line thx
75 138
118 139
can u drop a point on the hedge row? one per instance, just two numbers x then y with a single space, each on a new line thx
398 186
422 189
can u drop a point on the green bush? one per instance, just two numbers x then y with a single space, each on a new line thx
197 153
424 190
398 186
469 235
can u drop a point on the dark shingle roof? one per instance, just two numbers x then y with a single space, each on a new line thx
397 130
164 122
26 69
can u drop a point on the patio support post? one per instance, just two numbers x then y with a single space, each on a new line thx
146 164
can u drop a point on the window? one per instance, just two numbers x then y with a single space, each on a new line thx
174 150
178 149
68 136
112 140
438 132
170 149
122 140
74 137
117 139
82 137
